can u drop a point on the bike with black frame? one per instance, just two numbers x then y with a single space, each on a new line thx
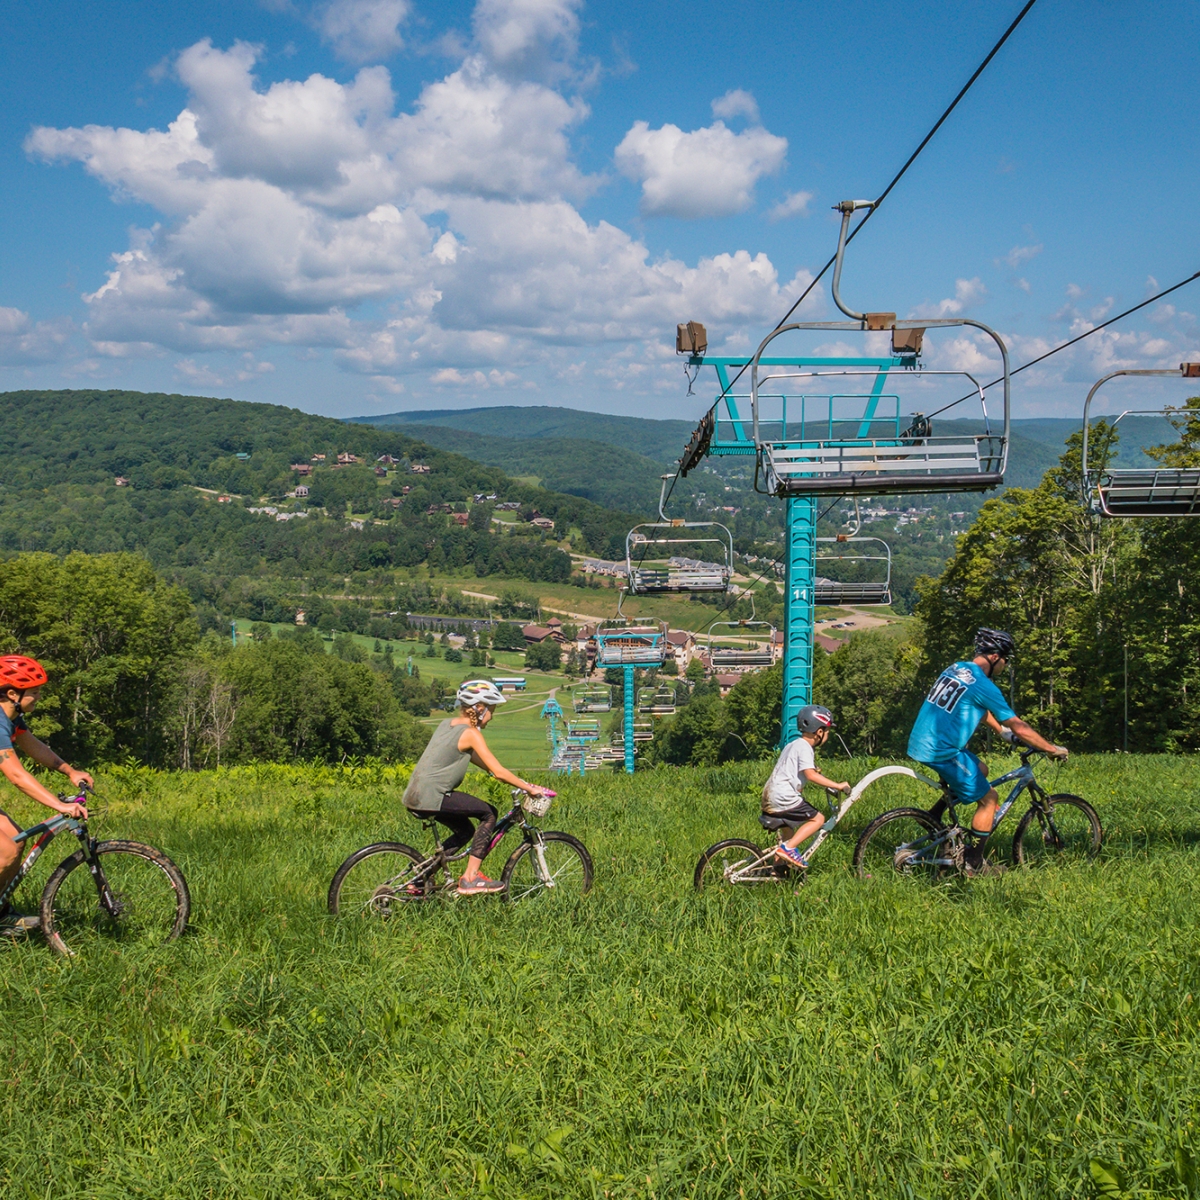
130 893
1058 828
379 880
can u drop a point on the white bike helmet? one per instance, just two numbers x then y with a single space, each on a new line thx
479 691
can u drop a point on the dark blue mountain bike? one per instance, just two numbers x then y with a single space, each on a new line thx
1059 828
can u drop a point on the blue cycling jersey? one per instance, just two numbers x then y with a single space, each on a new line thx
952 711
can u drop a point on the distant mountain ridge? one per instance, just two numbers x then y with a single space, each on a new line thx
559 445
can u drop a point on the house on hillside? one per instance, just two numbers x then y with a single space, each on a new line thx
318 458
346 459
242 456
543 523
387 460
301 491
460 518
536 634
224 499
778 641
827 643
682 647
381 472
727 683
121 481
301 617
420 469
600 566
508 506
301 468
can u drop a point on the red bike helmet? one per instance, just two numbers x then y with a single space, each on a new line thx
17 671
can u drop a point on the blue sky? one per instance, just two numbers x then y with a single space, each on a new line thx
360 206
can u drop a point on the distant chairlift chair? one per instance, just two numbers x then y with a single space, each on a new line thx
1140 491
660 569
855 591
740 658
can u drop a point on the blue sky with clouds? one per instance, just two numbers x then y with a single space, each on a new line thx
366 205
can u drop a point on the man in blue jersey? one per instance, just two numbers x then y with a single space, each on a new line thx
962 695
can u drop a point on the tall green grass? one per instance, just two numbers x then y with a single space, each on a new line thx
1033 1035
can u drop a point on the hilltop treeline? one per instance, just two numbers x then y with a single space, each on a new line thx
68 448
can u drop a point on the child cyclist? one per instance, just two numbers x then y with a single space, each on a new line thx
433 789
21 681
782 796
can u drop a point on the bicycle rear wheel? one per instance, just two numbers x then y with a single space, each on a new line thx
567 874
1066 831
376 881
904 841
736 861
140 899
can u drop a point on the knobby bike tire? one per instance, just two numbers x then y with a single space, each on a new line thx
876 843
567 859
380 876
1032 842
711 868
153 902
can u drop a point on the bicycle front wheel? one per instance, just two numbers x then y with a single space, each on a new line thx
560 866
735 861
139 897
377 880
905 841
1065 830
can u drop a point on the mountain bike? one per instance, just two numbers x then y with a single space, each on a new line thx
736 861
1060 828
379 880
129 893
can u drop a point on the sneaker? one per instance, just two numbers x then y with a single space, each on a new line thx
791 856
18 924
984 868
478 886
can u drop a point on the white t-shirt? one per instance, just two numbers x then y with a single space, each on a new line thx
782 792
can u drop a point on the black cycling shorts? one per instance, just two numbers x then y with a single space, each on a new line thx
796 816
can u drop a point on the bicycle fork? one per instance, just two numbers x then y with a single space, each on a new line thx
539 857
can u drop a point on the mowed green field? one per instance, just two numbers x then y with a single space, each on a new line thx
886 1038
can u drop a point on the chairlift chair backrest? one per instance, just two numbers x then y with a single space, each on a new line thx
1140 491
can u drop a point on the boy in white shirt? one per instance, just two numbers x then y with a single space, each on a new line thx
782 796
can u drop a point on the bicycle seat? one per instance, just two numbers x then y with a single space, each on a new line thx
767 821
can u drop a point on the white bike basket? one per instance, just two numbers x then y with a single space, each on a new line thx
536 806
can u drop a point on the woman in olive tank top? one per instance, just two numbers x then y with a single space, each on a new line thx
457 743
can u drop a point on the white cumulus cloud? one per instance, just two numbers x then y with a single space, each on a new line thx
316 214
363 31
967 292
736 103
25 341
529 39
708 172
794 204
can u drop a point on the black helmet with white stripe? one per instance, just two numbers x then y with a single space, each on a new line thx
995 641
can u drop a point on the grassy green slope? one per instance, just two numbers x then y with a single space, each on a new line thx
872 1039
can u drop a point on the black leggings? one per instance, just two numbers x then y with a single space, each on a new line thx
456 812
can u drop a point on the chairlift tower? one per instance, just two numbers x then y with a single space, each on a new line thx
810 442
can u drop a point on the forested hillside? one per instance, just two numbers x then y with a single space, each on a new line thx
178 455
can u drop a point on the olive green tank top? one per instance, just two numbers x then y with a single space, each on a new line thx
441 768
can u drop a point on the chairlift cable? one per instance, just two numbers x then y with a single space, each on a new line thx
1042 357
886 191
